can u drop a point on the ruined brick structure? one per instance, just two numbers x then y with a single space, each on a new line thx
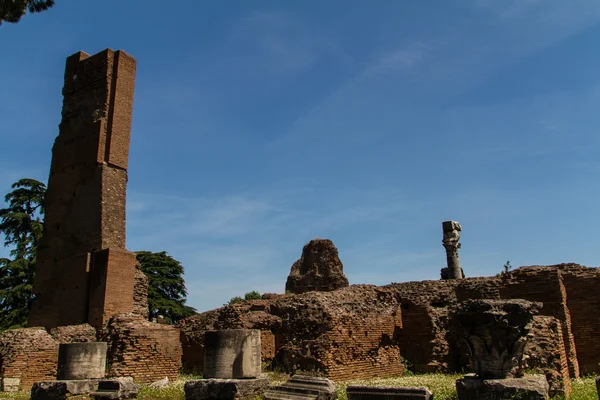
31 354
84 273
141 349
26 356
319 268
346 333
87 285
545 352
361 331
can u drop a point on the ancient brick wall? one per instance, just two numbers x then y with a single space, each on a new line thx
544 284
74 333
140 349
29 355
583 300
321 330
140 293
349 332
85 199
545 353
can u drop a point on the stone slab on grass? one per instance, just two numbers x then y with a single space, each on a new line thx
531 387
225 389
302 387
356 392
59 390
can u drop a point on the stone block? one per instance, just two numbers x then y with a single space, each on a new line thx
232 354
59 390
81 361
388 393
10 384
531 387
119 388
225 389
302 387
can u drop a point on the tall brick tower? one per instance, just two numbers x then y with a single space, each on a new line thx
84 273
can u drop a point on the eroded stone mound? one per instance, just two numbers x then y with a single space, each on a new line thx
318 269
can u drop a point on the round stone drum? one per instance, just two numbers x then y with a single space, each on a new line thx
232 354
81 361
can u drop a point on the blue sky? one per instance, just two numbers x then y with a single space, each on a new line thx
259 125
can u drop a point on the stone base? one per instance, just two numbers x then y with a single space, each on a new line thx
302 387
10 384
531 387
225 389
389 393
118 388
58 390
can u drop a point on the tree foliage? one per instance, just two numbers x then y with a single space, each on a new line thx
22 226
253 295
13 10
506 267
166 287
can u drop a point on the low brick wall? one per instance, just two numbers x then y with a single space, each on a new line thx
140 349
29 355
545 353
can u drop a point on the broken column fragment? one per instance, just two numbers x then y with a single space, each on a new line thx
232 361
450 240
81 361
232 353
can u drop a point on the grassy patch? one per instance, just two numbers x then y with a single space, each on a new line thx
584 389
442 386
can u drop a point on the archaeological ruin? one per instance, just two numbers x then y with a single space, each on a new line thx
90 289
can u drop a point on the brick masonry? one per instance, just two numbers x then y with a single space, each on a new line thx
141 349
88 286
350 332
545 353
347 333
84 274
29 355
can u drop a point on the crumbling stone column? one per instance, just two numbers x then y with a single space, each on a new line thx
495 332
451 231
81 361
233 365
232 353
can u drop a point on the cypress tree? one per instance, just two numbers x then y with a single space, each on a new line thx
166 287
22 226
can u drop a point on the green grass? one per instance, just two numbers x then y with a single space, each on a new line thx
441 385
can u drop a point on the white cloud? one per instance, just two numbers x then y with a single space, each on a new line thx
278 41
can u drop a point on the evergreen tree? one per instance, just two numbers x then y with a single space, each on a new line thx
13 10
22 226
166 287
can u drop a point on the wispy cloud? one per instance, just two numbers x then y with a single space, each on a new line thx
249 241
279 41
